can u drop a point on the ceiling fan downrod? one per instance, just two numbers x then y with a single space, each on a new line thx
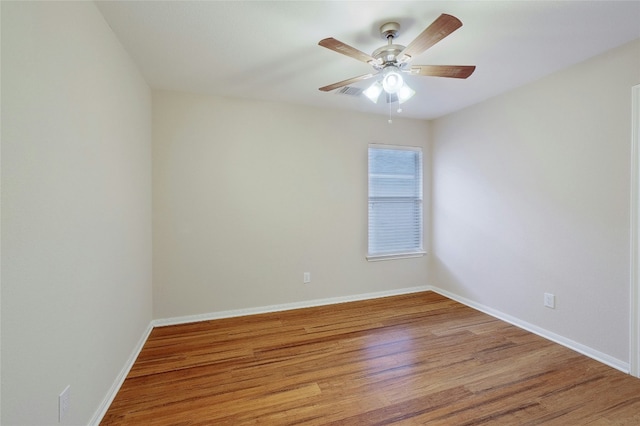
387 55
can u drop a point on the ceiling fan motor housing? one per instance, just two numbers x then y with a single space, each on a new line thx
388 53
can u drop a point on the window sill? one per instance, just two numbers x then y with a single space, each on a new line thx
379 257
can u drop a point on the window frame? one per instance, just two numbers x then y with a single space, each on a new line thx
404 254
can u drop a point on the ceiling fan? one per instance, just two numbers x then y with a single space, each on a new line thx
392 60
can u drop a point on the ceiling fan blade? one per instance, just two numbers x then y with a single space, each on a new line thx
439 29
346 82
340 47
451 71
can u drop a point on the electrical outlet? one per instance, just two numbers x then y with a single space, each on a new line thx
306 278
549 300
64 400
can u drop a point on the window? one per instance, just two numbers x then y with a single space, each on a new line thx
395 202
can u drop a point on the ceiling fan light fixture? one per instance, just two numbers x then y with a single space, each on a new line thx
391 60
373 92
392 80
405 93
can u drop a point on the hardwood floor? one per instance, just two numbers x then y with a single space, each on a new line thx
411 359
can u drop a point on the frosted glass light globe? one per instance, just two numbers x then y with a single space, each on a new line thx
392 80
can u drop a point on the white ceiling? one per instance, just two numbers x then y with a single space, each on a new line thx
268 50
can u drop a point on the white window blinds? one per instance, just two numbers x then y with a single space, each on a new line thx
395 201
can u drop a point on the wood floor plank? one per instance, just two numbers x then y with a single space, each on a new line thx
403 360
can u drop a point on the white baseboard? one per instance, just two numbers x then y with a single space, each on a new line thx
578 347
117 384
285 306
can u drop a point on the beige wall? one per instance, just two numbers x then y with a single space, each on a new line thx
249 195
531 195
76 210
